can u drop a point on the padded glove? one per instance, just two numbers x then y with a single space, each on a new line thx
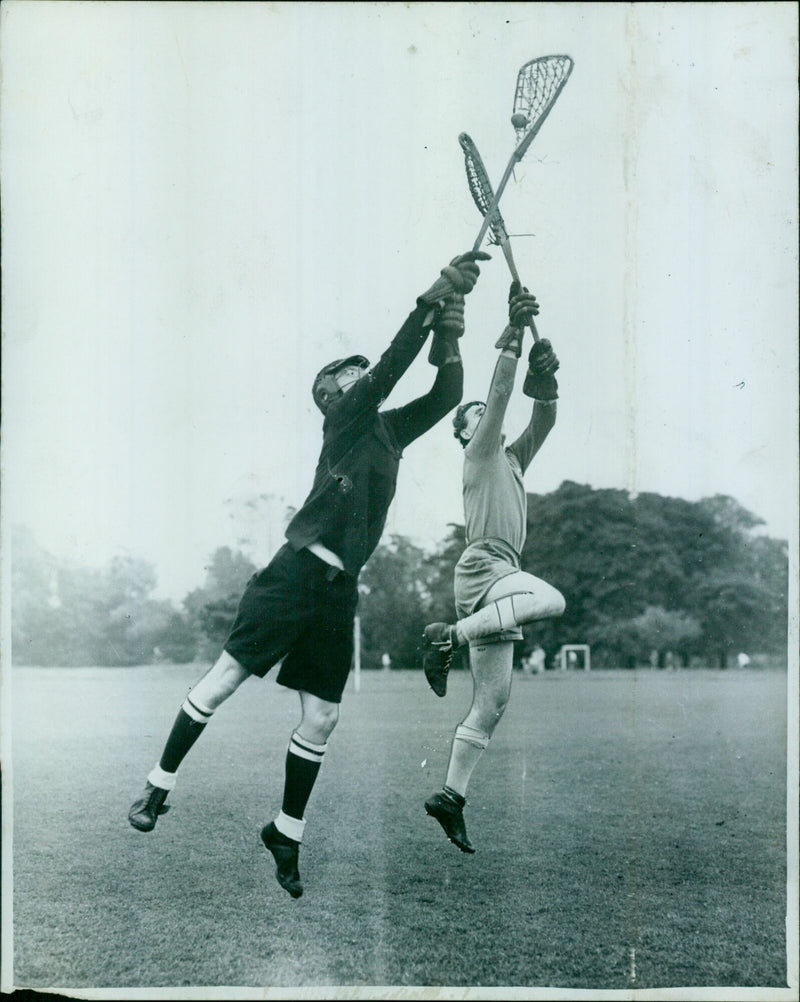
447 329
458 276
540 381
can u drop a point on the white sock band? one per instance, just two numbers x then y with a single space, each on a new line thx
306 749
471 735
163 780
194 708
290 827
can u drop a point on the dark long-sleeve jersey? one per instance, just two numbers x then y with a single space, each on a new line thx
356 474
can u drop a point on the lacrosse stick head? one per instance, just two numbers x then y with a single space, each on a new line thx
539 83
480 188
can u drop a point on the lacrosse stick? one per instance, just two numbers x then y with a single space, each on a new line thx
483 196
539 83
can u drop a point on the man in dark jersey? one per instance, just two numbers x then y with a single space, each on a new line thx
493 595
301 607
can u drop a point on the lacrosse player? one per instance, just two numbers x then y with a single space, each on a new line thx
493 596
301 607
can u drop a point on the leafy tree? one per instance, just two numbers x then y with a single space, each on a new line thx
64 614
391 604
665 631
739 613
613 555
211 610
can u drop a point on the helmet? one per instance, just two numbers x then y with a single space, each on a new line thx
460 419
326 389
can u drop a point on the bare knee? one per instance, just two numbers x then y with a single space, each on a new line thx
221 681
319 718
486 712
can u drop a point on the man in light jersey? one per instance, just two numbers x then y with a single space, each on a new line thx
494 597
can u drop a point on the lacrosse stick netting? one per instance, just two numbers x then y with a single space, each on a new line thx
539 83
481 190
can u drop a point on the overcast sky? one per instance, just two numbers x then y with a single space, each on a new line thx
204 203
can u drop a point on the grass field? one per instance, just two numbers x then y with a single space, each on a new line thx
630 828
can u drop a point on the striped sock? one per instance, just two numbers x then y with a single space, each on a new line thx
303 760
189 725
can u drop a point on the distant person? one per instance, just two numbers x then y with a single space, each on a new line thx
386 661
537 659
742 659
493 595
301 607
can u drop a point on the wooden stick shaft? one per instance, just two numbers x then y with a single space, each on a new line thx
512 267
496 201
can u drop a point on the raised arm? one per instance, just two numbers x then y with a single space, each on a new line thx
459 277
486 440
541 384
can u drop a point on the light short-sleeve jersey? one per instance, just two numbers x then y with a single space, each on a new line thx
495 505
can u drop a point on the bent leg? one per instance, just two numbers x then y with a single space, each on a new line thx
512 601
219 682
491 666
307 746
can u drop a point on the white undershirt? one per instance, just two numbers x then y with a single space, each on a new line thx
325 554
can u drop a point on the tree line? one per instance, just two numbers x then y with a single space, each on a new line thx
648 579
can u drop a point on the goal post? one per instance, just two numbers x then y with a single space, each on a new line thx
570 653
357 654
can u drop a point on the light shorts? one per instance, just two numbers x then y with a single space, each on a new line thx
482 565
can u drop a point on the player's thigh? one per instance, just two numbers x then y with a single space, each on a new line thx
276 607
522 581
319 661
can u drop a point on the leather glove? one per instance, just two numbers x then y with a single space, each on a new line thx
458 276
448 328
511 340
540 381
522 308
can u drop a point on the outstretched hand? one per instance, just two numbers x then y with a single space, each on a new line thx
459 276
542 360
463 270
540 382
522 306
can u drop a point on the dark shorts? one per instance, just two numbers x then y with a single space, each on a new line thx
300 609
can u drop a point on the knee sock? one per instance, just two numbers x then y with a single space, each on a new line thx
303 761
189 725
467 748
504 614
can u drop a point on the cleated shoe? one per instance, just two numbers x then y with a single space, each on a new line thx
285 852
447 807
145 811
438 646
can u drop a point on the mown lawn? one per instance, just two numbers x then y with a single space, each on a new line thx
630 828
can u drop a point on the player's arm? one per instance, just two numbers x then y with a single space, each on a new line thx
486 440
541 384
418 416
459 277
